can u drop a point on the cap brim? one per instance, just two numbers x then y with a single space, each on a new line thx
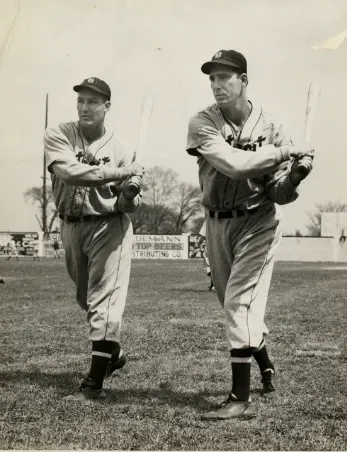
78 88
206 67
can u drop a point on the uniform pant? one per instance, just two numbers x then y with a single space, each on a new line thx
241 252
98 259
207 267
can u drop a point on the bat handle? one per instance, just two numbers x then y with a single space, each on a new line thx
131 189
302 168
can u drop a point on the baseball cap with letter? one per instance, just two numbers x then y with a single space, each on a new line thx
95 84
229 58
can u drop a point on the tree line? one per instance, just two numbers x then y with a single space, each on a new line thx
169 206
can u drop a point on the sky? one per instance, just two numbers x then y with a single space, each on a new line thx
156 48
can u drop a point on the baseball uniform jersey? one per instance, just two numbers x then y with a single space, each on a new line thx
13 249
98 247
242 172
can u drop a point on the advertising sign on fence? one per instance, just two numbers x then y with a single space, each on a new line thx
160 247
193 241
23 242
313 249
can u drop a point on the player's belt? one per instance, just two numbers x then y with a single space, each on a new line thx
235 213
70 219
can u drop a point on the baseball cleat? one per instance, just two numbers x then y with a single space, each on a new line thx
230 409
269 390
117 362
87 392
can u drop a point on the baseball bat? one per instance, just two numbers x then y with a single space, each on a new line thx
145 118
311 110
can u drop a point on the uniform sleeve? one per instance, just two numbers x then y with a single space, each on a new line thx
278 185
204 139
61 161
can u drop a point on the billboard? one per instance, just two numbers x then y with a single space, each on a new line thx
23 241
193 241
160 247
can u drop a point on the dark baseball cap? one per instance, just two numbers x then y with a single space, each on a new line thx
95 84
229 58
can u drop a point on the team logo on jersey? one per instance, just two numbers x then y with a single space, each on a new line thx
93 160
251 146
90 80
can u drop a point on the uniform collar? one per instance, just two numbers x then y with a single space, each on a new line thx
99 142
250 123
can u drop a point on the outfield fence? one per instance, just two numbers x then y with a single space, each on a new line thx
304 249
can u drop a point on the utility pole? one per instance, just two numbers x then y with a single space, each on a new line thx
44 187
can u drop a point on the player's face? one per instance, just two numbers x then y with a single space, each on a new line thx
226 85
91 107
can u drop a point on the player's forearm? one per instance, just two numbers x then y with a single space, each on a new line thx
128 205
239 164
284 192
83 175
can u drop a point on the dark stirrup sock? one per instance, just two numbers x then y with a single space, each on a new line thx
101 355
260 354
241 372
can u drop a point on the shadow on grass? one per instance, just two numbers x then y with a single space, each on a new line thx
165 396
67 382
63 381
187 289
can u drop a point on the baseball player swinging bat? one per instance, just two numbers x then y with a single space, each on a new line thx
311 110
146 113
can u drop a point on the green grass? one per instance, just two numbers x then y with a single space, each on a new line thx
178 366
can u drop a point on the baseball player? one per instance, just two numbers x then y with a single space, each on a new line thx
56 249
36 251
90 172
202 248
13 250
247 166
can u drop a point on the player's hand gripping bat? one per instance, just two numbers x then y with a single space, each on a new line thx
311 109
132 187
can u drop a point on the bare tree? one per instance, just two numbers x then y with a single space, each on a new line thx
160 185
160 188
35 196
197 224
168 205
173 203
146 218
188 205
314 228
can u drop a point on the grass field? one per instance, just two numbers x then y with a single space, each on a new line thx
178 366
